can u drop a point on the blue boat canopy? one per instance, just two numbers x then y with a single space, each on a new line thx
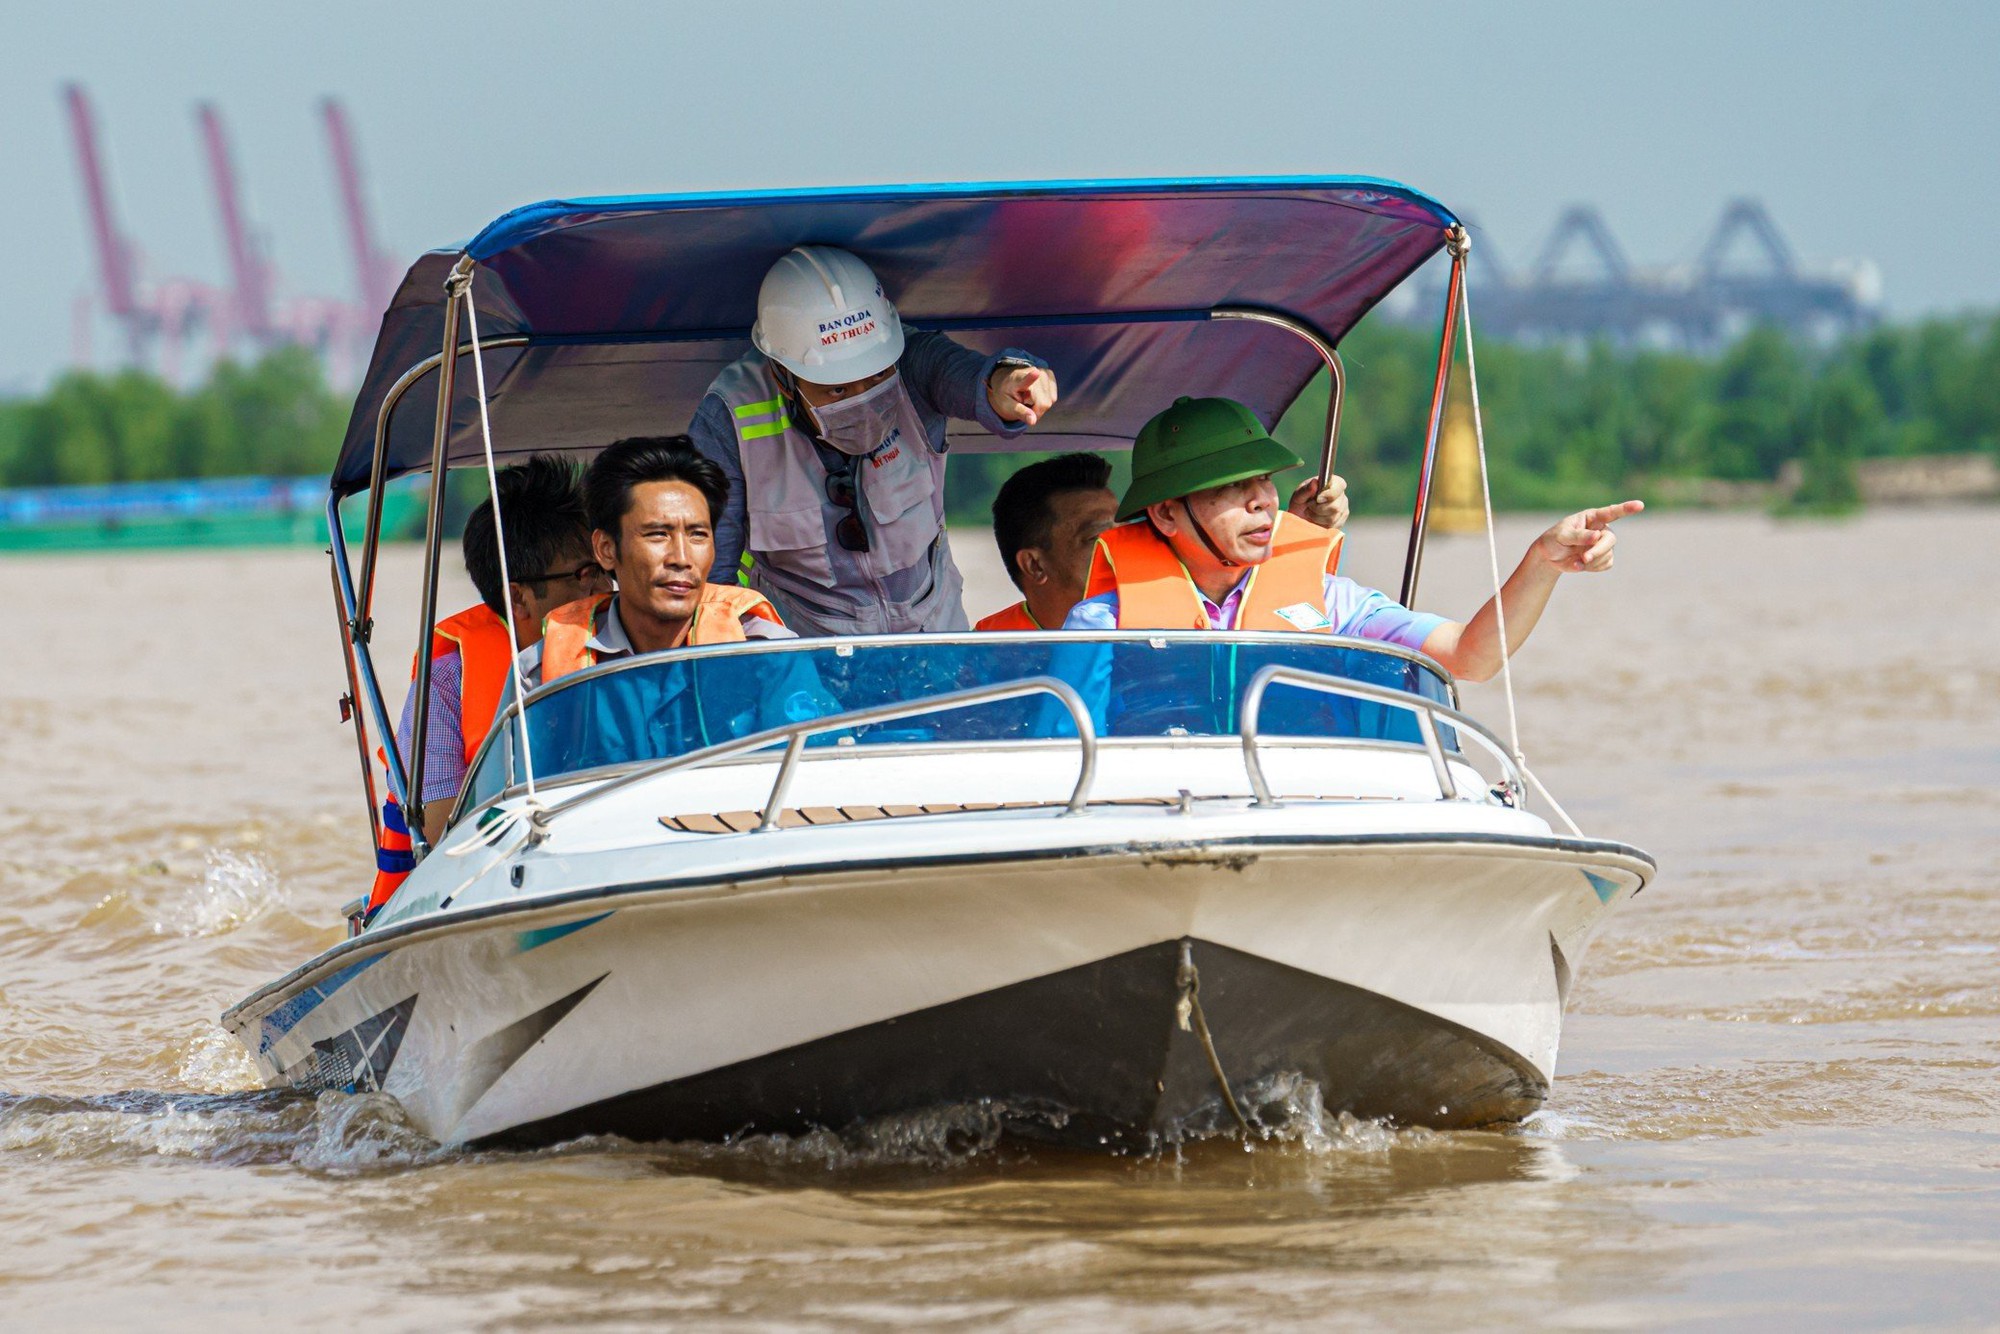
608 317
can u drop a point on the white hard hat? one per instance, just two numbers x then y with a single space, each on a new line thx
822 315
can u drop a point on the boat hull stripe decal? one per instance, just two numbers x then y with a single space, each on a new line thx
534 940
286 1017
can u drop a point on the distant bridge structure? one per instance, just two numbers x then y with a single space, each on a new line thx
1582 287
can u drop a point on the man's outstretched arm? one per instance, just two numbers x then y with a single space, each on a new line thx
1580 543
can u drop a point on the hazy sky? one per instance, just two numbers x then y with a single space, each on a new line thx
1867 127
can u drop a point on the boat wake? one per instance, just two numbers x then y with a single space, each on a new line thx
343 1135
333 1134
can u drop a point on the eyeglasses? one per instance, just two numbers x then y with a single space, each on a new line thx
849 532
588 572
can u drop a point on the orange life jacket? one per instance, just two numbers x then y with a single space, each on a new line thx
479 636
1155 592
1016 617
718 619
393 858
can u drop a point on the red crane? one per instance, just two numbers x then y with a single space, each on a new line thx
166 314
163 316
250 273
376 273
114 254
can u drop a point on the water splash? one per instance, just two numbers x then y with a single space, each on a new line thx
214 1062
363 1133
937 1138
236 1128
236 888
358 1135
332 1135
1288 1109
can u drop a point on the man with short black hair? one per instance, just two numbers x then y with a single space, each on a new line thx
548 555
1046 520
651 502
548 542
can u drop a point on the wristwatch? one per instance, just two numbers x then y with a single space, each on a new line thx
1009 364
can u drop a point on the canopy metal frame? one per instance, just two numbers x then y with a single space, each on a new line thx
354 603
1458 245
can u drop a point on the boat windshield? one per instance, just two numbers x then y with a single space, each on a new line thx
1178 685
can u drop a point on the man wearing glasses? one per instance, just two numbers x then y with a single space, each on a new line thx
832 435
549 557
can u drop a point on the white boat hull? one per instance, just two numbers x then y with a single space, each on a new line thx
1413 975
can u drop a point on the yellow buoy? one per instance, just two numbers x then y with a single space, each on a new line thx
1456 505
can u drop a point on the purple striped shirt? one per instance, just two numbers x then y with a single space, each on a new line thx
444 731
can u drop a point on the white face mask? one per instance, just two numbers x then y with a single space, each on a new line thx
857 425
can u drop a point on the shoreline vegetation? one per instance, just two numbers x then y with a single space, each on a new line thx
1906 413
1903 414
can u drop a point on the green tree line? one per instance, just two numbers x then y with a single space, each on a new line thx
274 417
1568 426
1563 423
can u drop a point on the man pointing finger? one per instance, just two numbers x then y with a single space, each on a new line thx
1580 543
1583 541
1201 543
831 432
1021 393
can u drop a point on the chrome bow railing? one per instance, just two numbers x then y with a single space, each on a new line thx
1427 712
795 735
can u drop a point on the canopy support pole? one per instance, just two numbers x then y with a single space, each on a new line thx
350 703
360 657
1335 368
455 285
364 602
361 621
1459 245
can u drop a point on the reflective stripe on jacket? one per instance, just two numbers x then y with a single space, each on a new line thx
905 580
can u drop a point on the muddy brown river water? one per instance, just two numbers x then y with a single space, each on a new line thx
1776 1101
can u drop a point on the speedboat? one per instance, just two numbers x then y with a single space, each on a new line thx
1115 889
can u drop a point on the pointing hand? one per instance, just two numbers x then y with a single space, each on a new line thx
1582 542
1021 393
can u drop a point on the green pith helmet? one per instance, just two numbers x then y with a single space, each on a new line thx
1195 444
